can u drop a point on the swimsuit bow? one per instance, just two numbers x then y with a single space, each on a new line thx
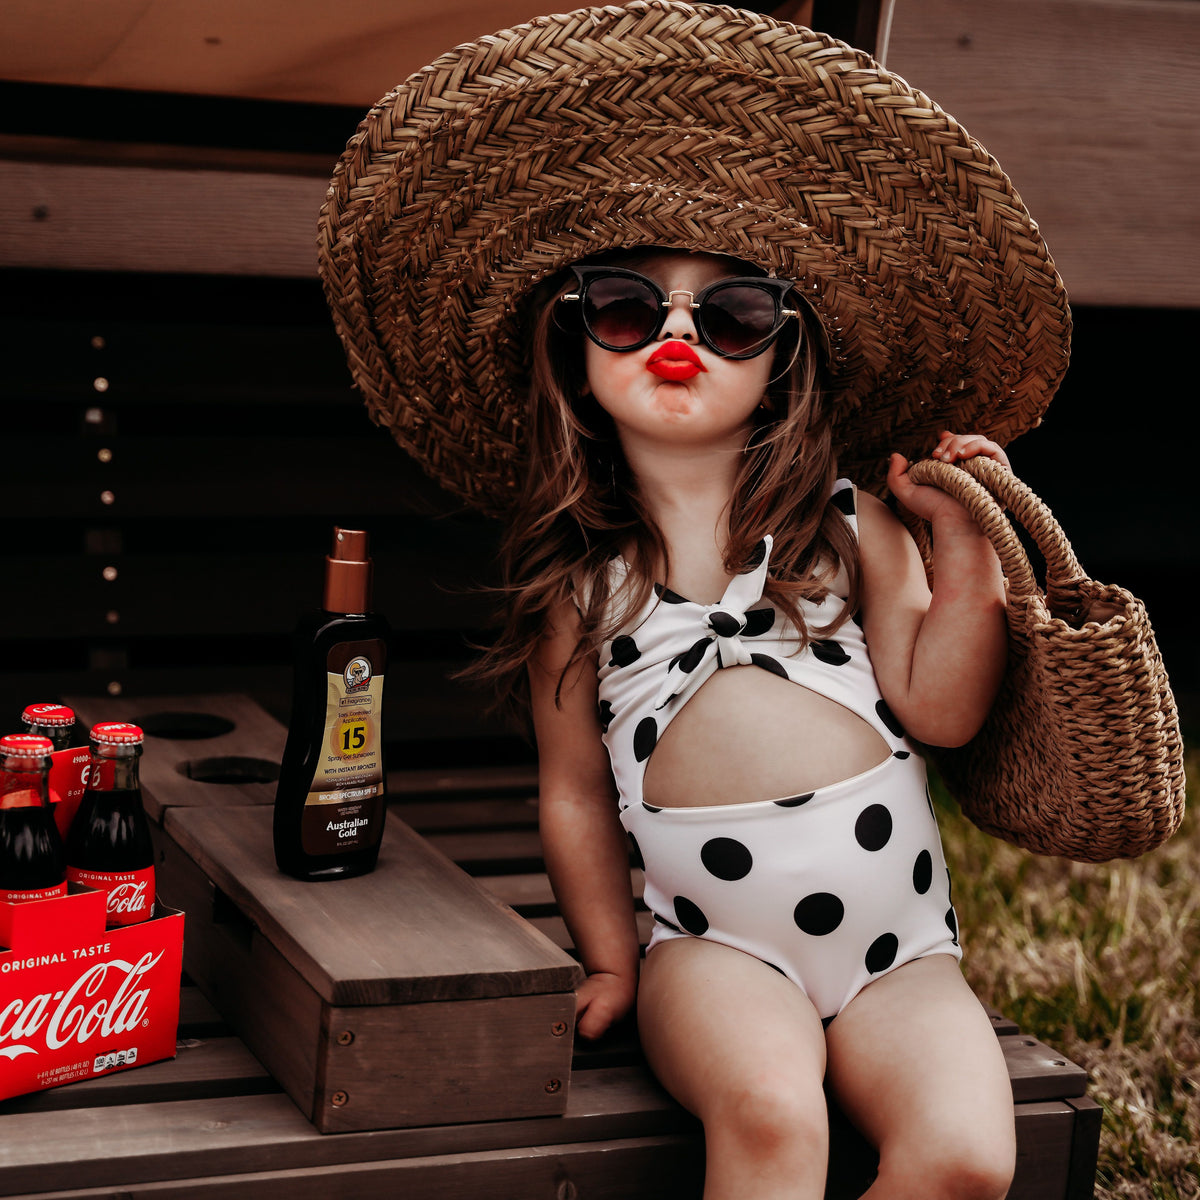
724 623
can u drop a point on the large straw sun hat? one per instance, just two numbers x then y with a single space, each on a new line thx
701 127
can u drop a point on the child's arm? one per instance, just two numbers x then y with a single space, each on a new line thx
586 851
939 660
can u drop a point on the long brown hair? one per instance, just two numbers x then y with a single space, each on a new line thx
580 505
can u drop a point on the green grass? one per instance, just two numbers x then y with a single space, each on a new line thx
1103 963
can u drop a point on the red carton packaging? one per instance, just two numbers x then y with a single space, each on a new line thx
67 783
78 1000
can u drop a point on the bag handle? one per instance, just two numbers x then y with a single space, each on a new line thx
985 488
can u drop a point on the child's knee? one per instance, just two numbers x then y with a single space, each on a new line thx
774 1116
978 1166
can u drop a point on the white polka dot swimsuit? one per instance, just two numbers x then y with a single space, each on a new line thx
833 888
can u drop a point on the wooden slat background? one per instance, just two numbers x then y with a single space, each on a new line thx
181 434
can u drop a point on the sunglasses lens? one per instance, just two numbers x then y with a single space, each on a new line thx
738 319
620 312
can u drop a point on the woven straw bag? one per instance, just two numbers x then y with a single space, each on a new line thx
1081 755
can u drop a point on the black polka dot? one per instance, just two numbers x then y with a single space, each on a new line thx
873 829
690 659
769 664
635 854
756 557
830 653
796 801
759 621
843 501
952 923
726 858
690 917
624 651
724 624
667 596
819 913
902 754
606 715
882 953
889 718
668 924
644 738
923 872
650 808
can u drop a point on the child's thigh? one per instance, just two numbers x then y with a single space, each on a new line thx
915 1063
722 1029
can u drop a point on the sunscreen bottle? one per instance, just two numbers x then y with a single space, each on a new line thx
329 803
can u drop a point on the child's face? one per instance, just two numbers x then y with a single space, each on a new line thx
659 399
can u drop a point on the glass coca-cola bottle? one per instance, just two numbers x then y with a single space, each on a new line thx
109 845
32 866
54 721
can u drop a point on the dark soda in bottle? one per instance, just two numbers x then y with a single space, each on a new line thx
32 866
109 844
53 721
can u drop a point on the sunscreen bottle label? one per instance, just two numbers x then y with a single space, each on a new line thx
344 805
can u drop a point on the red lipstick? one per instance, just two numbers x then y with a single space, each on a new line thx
675 361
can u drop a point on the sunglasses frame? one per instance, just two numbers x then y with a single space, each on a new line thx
776 288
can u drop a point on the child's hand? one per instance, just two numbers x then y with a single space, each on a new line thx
600 1000
930 503
956 446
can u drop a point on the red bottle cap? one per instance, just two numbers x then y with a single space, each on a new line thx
117 733
48 714
26 745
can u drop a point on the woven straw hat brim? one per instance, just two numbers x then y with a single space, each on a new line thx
704 128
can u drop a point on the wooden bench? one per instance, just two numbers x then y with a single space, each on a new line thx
216 1122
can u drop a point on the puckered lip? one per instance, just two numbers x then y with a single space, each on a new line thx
676 351
675 361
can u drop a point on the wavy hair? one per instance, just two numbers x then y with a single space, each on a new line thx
580 505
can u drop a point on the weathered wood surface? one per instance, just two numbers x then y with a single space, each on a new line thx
229 1132
1093 109
1090 105
416 929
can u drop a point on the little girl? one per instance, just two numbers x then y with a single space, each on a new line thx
677 291
803 924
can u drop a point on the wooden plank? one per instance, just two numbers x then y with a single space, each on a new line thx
1085 1148
1039 1072
443 936
660 1168
130 1144
460 780
449 816
197 1017
241 729
445 1063
125 218
1044 1133
534 890
152 1151
491 851
1093 109
201 1068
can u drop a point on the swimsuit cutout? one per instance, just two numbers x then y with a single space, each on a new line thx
834 887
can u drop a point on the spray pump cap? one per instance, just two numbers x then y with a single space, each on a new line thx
348 573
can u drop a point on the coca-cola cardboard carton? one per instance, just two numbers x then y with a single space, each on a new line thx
78 1000
68 782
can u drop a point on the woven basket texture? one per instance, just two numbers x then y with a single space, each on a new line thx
1081 755
703 128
